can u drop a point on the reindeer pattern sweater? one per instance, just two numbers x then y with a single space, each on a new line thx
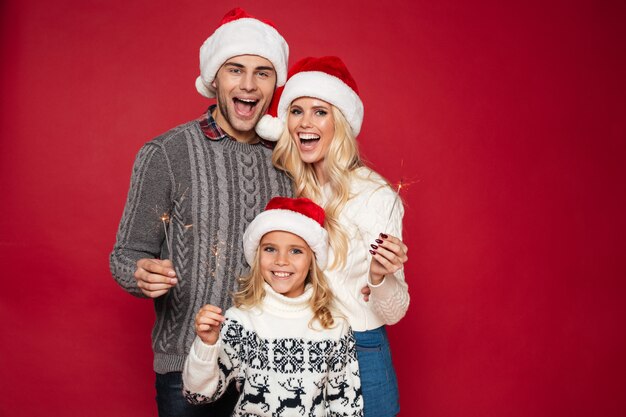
280 364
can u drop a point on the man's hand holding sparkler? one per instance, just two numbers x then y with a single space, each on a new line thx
155 277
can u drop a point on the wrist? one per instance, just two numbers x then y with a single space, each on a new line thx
376 279
208 341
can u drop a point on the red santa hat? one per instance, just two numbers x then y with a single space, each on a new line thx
299 216
241 34
326 78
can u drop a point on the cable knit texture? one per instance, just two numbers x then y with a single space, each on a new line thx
369 211
211 190
280 364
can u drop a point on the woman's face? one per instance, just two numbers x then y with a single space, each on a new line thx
311 126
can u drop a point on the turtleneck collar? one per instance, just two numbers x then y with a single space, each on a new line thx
278 303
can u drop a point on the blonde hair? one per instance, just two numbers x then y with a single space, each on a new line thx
340 162
251 291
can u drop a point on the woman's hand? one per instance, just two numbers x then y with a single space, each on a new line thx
208 321
388 256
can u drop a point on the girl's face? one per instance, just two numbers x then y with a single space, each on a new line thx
285 260
311 126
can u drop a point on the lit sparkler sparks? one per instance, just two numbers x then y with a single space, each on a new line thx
165 219
395 201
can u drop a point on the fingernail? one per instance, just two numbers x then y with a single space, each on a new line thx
372 252
173 281
379 241
171 273
374 246
384 236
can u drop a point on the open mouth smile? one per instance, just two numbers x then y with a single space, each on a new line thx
245 107
308 139
282 274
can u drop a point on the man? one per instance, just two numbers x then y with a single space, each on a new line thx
193 192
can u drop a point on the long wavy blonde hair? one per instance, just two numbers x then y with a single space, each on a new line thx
340 162
251 291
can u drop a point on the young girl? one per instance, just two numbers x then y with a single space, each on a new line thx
280 342
319 117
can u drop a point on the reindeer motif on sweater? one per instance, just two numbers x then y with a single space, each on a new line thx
282 366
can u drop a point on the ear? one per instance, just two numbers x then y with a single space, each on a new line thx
213 84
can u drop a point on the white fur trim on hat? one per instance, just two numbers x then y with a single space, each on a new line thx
244 36
325 87
288 221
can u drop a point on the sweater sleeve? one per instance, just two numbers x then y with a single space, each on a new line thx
141 233
382 213
208 370
343 391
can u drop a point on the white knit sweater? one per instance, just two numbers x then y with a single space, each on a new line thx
367 214
279 363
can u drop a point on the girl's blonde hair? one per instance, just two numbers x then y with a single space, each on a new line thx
251 291
340 162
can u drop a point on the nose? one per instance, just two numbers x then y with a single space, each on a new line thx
305 121
248 82
281 259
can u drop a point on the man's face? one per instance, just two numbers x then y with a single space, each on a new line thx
244 88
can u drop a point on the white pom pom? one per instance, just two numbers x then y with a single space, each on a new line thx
270 128
202 88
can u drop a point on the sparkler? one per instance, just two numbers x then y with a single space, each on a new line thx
165 219
395 201
217 250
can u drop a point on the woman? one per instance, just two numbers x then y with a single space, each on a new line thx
323 114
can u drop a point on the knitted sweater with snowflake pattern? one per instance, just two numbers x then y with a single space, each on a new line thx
279 362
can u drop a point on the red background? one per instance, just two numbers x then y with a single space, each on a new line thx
510 120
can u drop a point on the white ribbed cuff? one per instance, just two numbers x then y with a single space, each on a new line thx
204 352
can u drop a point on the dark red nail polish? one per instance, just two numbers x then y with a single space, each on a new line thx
384 236
379 241
374 246
372 252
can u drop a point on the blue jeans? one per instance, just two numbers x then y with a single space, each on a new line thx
378 378
172 403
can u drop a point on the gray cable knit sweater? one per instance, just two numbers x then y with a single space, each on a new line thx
209 191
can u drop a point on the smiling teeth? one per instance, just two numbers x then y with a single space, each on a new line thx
247 100
282 274
308 136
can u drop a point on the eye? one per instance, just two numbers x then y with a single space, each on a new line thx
235 70
269 249
321 112
296 251
295 111
263 74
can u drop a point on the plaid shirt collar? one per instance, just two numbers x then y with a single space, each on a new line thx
210 127
212 131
